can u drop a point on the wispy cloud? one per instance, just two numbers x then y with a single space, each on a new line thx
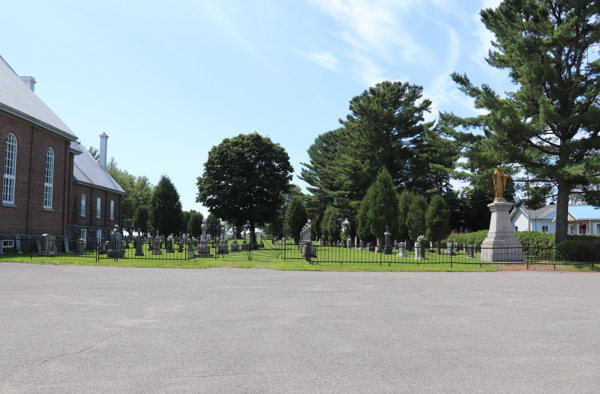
484 36
323 59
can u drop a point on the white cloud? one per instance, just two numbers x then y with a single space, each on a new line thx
323 59
374 31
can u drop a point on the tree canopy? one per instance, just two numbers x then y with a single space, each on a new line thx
385 129
547 130
244 180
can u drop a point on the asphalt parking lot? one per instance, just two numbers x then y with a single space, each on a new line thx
69 329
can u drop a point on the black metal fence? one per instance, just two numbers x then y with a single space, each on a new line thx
313 253
422 254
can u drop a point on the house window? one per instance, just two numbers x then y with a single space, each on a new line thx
49 178
82 206
544 229
570 229
516 228
598 228
98 203
8 243
84 234
10 169
583 230
112 209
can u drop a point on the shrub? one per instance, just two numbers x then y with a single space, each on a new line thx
579 248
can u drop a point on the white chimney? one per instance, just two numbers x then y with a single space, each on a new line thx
30 82
103 143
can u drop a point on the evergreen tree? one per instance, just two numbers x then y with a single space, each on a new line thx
549 127
415 220
195 224
140 220
295 219
379 211
437 219
331 224
165 208
316 228
363 229
213 226
404 201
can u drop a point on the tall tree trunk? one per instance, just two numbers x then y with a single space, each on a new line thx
562 210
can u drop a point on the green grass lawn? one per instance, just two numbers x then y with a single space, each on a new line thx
272 257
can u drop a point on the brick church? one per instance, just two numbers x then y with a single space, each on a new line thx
50 184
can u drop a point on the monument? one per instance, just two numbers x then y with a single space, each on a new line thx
501 244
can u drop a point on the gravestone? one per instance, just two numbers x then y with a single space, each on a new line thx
46 245
170 244
156 249
116 244
401 250
234 245
470 251
223 244
65 244
420 251
139 245
388 244
349 244
203 250
378 248
362 245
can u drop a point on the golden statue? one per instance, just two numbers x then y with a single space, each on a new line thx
499 180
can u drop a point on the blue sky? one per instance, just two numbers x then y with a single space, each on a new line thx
169 80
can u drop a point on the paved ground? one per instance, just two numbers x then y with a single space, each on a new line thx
66 329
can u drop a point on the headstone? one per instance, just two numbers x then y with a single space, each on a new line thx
420 251
116 244
18 244
349 244
170 244
388 243
449 249
46 246
401 250
470 251
65 244
378 248
139 245
362 245
156 249
203 250
81 246
370 247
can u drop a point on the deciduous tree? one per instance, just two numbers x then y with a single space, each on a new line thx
244 180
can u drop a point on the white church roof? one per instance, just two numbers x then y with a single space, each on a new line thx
87 171
18 100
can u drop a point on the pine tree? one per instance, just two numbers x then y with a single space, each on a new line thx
331 224
549 127
379 211
437 219
165 208
404 201
295 218
415 220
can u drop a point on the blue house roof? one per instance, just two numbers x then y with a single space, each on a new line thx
584 212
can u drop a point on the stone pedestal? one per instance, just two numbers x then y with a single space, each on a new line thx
46 245
501 244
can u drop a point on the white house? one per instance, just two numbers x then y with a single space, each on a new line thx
583 219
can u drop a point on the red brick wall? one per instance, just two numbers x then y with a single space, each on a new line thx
29 216
90 220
